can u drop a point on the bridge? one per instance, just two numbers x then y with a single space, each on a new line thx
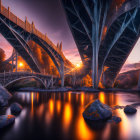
18 33
105 33
9 78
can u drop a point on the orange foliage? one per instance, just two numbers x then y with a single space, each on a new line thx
119 2
87 81
43 59
104 32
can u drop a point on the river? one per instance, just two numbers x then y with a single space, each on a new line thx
59 116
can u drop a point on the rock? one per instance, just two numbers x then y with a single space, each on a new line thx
15 108
130 109
97 111
3 102
6 120
115 119
4 93
117 107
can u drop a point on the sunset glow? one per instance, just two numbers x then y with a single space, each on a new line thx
21 64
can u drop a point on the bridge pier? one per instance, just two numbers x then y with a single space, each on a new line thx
95 45
139 82
62 74
16 61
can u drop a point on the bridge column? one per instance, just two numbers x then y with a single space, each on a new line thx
62 74
45 82
26 22
52 81
0 5
8 12
139 82
12 62
16 61
95 41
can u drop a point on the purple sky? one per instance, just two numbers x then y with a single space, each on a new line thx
49 17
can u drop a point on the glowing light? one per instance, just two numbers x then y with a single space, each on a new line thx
21 64
78 65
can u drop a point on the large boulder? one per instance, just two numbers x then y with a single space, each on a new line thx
6 120
130 109
15 108
97 111
4 93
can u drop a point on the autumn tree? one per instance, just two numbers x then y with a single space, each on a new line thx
2 55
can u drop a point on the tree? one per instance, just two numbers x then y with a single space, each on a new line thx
2 55
2 58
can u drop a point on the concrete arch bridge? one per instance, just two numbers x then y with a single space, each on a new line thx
18 33
105 32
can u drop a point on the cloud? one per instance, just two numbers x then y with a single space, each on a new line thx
73 55
6 46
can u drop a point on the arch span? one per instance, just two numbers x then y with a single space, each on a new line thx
27 77
17 43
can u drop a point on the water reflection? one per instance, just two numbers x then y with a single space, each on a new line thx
58 106
67 116
62 113
82 129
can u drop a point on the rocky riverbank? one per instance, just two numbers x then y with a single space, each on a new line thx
15 108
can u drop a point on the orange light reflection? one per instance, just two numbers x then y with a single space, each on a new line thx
82 98
83 131
58 106
67 116
32 103
51 106
102 97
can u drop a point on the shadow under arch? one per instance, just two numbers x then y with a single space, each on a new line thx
48 50
116 54
18 44
9 85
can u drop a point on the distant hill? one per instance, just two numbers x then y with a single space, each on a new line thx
129 67
128 80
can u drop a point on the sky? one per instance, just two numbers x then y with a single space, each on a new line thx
49 17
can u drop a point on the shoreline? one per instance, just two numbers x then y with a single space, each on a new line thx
76 90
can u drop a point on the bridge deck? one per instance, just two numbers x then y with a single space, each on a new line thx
30 28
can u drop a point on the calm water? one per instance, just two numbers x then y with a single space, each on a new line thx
59 116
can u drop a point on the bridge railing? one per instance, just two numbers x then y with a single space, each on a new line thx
26 73
27 26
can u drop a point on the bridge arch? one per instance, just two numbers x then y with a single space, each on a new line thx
27 77
55 56
122 44
17 43
47 49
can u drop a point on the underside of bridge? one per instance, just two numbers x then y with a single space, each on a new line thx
105 33
18 33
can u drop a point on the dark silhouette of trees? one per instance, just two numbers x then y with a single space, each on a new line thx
2 58
2 55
